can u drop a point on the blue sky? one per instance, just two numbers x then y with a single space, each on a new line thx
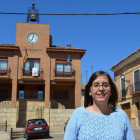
108 39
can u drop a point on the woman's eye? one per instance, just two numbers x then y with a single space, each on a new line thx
95 85
106 85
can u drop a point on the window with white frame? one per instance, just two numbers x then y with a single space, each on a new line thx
63 67
136 80
31 67
32 64
3 64
123 87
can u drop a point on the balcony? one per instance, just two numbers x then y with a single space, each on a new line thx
135 87
5 71
64 72
28 72
123 93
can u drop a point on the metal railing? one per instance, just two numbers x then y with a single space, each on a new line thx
3 126
123 93
135 87
131 89
39 113
5 71
28 72
11 134
64 72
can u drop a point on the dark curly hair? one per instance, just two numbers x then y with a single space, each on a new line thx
112 99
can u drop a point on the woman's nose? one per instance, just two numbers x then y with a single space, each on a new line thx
100 86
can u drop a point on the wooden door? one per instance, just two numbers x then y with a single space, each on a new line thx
31 91
126 108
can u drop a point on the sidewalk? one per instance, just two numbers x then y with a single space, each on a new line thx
136 131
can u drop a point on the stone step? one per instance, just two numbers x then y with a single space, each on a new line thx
17 134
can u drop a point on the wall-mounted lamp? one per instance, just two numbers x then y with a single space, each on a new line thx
123 78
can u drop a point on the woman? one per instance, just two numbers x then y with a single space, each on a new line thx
99 119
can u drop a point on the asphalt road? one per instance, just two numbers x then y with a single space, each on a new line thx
60 136
52 137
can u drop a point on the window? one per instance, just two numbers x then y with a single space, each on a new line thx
21 94
40 94
67 68
123 88
61 95
59 67
32 64
21 91
29 65
63 67
3 64
136 80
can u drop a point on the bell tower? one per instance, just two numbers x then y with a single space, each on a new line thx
33 13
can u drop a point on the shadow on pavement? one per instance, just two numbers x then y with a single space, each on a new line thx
40 137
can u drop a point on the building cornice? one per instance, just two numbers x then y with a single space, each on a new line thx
130 58
8 46
66 50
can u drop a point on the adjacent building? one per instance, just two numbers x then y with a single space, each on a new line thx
127 79
38 79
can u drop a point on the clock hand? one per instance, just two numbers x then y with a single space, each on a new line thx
32 38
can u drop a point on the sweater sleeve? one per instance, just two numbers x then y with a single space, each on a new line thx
129 135
72 126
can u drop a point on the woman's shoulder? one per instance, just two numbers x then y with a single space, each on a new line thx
120 112
79 110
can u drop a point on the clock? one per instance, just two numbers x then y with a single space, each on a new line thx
32 37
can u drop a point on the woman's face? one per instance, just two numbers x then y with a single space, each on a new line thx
100 90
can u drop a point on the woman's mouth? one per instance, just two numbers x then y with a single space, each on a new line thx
101 95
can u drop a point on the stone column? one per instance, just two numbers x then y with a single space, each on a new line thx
77 67
14 75
47 82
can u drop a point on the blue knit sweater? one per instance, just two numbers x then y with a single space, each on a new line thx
86 125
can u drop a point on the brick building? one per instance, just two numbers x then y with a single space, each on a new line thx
127 79
56 87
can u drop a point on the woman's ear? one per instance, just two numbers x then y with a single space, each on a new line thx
89 93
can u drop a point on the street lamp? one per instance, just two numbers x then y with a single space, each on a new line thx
123 78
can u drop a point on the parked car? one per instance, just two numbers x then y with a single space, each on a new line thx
36 127
65 124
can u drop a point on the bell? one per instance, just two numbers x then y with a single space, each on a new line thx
33 18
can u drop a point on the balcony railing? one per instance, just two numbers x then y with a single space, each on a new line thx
63 72
3 126
5 71
123 93
135 87
28 72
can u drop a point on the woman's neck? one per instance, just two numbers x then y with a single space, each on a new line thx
100 109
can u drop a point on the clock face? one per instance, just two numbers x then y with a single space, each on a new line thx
32 37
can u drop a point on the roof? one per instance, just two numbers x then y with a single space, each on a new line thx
8 46
65 49
83 86
129 58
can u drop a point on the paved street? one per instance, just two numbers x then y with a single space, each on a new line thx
52 137
137 133
60 136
